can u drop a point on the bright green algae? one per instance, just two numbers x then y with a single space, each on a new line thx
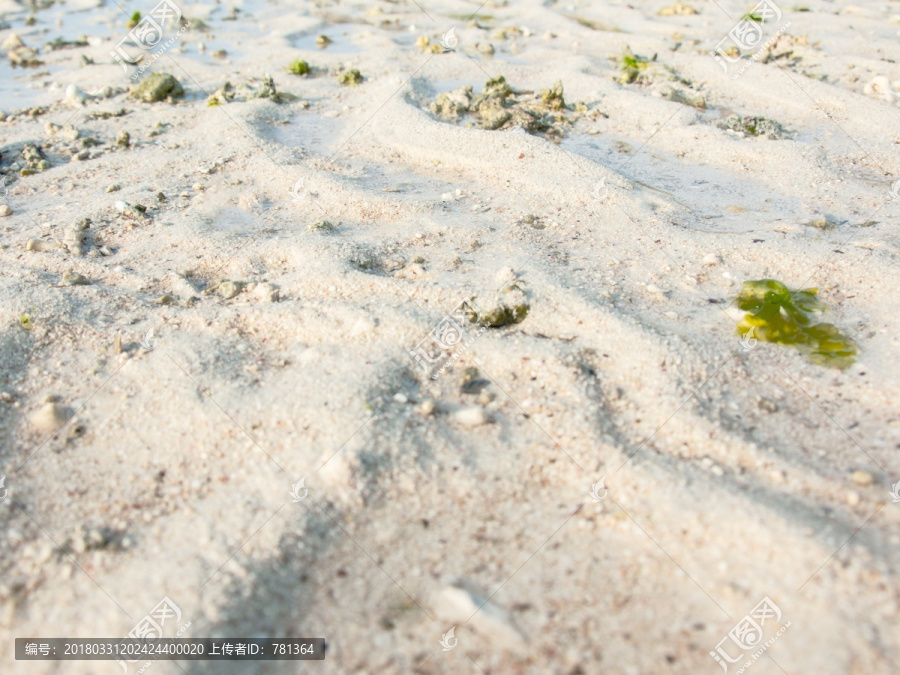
776 314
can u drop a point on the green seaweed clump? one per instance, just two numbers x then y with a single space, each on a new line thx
632 66
554 96
775 314
25 320
134 20
510 306
503 315
299 67
350 78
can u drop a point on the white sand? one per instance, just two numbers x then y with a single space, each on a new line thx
740 486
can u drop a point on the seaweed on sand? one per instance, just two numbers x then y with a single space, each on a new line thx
776 314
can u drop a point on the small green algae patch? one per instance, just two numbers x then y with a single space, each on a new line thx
554 96
134 20
508 307
632 66
503 315
775 314
350 78
299 67
25 320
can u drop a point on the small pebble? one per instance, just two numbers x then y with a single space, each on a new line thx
229 289
505 275
427 407
75 97
73 239
115 187
411 271
49 417
471 416
40 245
484 398
69 133
470 382
5 210
265 292
861 477
73 279
853 498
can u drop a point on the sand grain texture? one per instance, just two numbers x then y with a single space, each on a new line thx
229 343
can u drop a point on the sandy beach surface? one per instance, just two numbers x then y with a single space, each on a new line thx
324 354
